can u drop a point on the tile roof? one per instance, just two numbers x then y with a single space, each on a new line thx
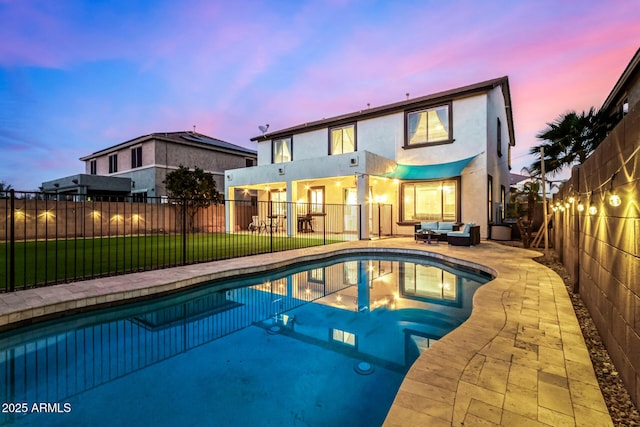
183 137
419 102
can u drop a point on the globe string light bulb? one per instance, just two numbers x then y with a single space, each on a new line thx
614 200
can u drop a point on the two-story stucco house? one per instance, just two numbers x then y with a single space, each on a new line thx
139 166
444 156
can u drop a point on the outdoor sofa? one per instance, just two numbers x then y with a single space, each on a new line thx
468 236
440 227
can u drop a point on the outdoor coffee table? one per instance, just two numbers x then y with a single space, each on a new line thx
426 236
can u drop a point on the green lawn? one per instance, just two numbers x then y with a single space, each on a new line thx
53 261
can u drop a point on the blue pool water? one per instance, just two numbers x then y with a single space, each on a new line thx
319 344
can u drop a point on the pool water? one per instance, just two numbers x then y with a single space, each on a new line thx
319 344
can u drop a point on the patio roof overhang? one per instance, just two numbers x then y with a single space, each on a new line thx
426 172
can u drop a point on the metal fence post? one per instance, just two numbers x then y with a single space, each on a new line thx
269 214
12 241
184 231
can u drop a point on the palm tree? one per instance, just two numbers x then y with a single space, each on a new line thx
569 140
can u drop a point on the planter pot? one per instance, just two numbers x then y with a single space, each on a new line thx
500 232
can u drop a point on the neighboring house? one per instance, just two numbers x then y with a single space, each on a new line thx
139 166
444 156
625 95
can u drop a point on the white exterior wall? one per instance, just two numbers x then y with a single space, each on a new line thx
311 145
381 135
497 167
380 143
264 152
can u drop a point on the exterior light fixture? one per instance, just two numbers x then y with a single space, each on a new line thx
566 205
614 200
593 210
572 199
561 207
554 208
580 206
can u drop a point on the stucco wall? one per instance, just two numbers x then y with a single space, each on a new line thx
606 262
474 133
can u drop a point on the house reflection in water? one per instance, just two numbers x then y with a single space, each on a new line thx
379 311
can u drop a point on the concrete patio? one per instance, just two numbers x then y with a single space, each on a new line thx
520 359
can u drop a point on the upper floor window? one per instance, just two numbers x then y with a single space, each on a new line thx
429 126
93 168
136 157
499 138
113 163
625 106
249 162
282 150
342 140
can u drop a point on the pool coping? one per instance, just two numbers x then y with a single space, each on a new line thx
520 357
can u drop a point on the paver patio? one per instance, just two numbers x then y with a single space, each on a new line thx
520 359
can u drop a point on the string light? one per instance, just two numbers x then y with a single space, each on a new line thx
614 200
580 206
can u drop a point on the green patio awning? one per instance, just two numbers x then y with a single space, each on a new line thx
425 172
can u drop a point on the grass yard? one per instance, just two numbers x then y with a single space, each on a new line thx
52 261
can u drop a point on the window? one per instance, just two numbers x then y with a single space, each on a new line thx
113 163
282 150
316 199
625 106
490 198
316 275
428 283
279 202
249 162
93 167
499 138
343 337
429 201
430 126
342 140
136 157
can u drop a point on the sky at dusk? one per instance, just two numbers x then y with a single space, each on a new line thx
79 76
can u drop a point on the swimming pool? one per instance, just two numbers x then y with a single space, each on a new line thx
324 343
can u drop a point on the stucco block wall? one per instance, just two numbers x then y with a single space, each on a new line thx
602 251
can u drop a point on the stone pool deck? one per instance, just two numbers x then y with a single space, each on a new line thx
520 359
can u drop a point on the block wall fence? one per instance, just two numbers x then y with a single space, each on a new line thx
40 219
600 244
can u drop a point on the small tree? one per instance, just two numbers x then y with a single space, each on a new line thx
192 189
530 194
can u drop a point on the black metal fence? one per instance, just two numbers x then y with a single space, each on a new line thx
54 364
47 238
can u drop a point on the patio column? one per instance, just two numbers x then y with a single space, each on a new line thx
229 211
363 286
292 196
363 194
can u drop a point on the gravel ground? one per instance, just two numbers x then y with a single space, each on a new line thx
616 396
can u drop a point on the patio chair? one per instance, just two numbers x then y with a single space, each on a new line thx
274 224
256 225
468 236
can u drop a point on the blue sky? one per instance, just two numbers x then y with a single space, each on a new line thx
78 76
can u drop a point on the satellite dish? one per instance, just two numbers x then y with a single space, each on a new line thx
263 129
